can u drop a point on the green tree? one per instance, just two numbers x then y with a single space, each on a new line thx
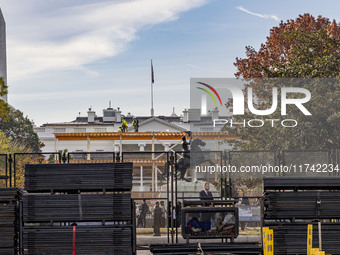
7 146
306 47
19 130
17 127
4 107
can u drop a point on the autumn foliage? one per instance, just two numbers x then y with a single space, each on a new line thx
310 42
306 49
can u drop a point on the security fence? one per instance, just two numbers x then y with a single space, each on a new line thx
166 180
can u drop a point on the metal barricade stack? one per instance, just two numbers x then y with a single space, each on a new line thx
10 227
79 209
290 204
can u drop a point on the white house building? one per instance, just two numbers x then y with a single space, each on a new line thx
96 138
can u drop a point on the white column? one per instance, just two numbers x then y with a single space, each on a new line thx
120 146
88 147
56 145
141 148
166 146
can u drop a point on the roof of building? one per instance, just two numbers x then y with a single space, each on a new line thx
162 121
99 120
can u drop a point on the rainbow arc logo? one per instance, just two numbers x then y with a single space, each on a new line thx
209 93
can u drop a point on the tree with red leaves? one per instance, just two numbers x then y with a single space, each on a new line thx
306 47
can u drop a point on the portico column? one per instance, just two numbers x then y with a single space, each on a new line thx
141 148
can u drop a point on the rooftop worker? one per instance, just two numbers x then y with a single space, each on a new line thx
124 125
135 124
120 129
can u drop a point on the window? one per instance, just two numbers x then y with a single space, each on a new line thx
207 129
100 130
59 130
79 130
39 130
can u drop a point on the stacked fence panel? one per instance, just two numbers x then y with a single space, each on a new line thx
81 208
10 208
302 205
291 238
85 177
77 207
291 203
103 240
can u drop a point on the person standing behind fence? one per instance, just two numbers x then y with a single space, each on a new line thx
163 214
242 201
157 215
205 194
144 209
178 211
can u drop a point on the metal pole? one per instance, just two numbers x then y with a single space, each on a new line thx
172 201
152 80
176 197
167 191
320 237
229 176
222 176
14 172
6 171
10 169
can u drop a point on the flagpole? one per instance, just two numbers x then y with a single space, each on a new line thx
152 81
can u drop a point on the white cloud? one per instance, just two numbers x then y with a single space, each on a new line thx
263 16
51 37
206 69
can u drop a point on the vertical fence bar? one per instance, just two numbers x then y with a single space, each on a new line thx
168 160
10 169
320 236
172 199
309 239
176 169
6 171
271 241
264 240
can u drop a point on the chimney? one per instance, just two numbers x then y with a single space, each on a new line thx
185 116
118 115
214 114
90 115
109 115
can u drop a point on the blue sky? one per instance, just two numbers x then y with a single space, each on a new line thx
64 56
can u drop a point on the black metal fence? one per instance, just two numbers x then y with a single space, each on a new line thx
157 178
